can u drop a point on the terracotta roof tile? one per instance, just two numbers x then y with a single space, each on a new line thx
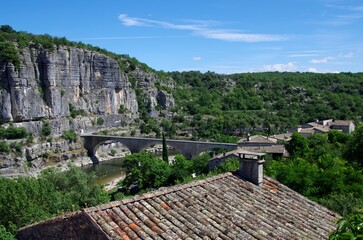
220 207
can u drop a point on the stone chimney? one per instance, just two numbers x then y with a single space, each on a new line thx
251 166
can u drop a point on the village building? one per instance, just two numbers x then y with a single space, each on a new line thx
324 126
345 126
283 137
234 205
262 144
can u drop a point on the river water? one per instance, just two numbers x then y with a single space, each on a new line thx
109 170
106 171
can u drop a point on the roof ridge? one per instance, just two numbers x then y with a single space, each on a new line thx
156 193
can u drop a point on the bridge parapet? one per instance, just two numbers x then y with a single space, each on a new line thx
188 149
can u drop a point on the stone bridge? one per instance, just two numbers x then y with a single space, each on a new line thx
188 149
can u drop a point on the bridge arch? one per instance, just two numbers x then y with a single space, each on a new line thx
189 149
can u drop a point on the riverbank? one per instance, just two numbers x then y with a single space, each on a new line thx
113 184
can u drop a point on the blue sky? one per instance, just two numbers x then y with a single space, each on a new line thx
229 36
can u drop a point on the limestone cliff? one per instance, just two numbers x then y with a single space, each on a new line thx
48 83
71 88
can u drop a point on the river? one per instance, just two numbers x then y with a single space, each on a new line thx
109 170
106 171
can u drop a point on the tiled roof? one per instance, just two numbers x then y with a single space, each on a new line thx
341 123
257 139
219 207
283 136
307 130
266 149
237 152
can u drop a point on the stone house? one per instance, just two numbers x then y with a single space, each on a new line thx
263 144
324 126
345 126
235 205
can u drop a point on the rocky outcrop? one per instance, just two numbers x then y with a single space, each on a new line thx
156 98
70 88
48 82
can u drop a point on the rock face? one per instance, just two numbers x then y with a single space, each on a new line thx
48 82
156 98
70 88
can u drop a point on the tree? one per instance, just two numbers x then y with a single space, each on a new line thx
354 150
297 173
165 150
5 235
228 165
27 199
77 187
200 164
297 146
349 227
182 168
145 170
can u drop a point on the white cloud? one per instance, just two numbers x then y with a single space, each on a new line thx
204 29
328 59
314 70
289 67
297 55
196 58
240 37
349 8
322 60
128 21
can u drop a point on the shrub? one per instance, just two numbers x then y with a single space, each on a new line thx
9 53
13 132
122 109
4 148
100 121
113 152
17 147
74 112
46 129
30 139
70 135
5 235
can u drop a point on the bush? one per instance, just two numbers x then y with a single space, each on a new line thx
70 135
74 112
30 139
9 53
17 147
4 148
113 152
100 121
5 235
122 109
46 129
13 132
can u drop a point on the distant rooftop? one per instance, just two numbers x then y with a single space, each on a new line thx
257 139
342 122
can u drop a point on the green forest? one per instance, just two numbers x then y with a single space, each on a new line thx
234 104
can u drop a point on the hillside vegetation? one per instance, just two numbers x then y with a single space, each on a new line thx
271 101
